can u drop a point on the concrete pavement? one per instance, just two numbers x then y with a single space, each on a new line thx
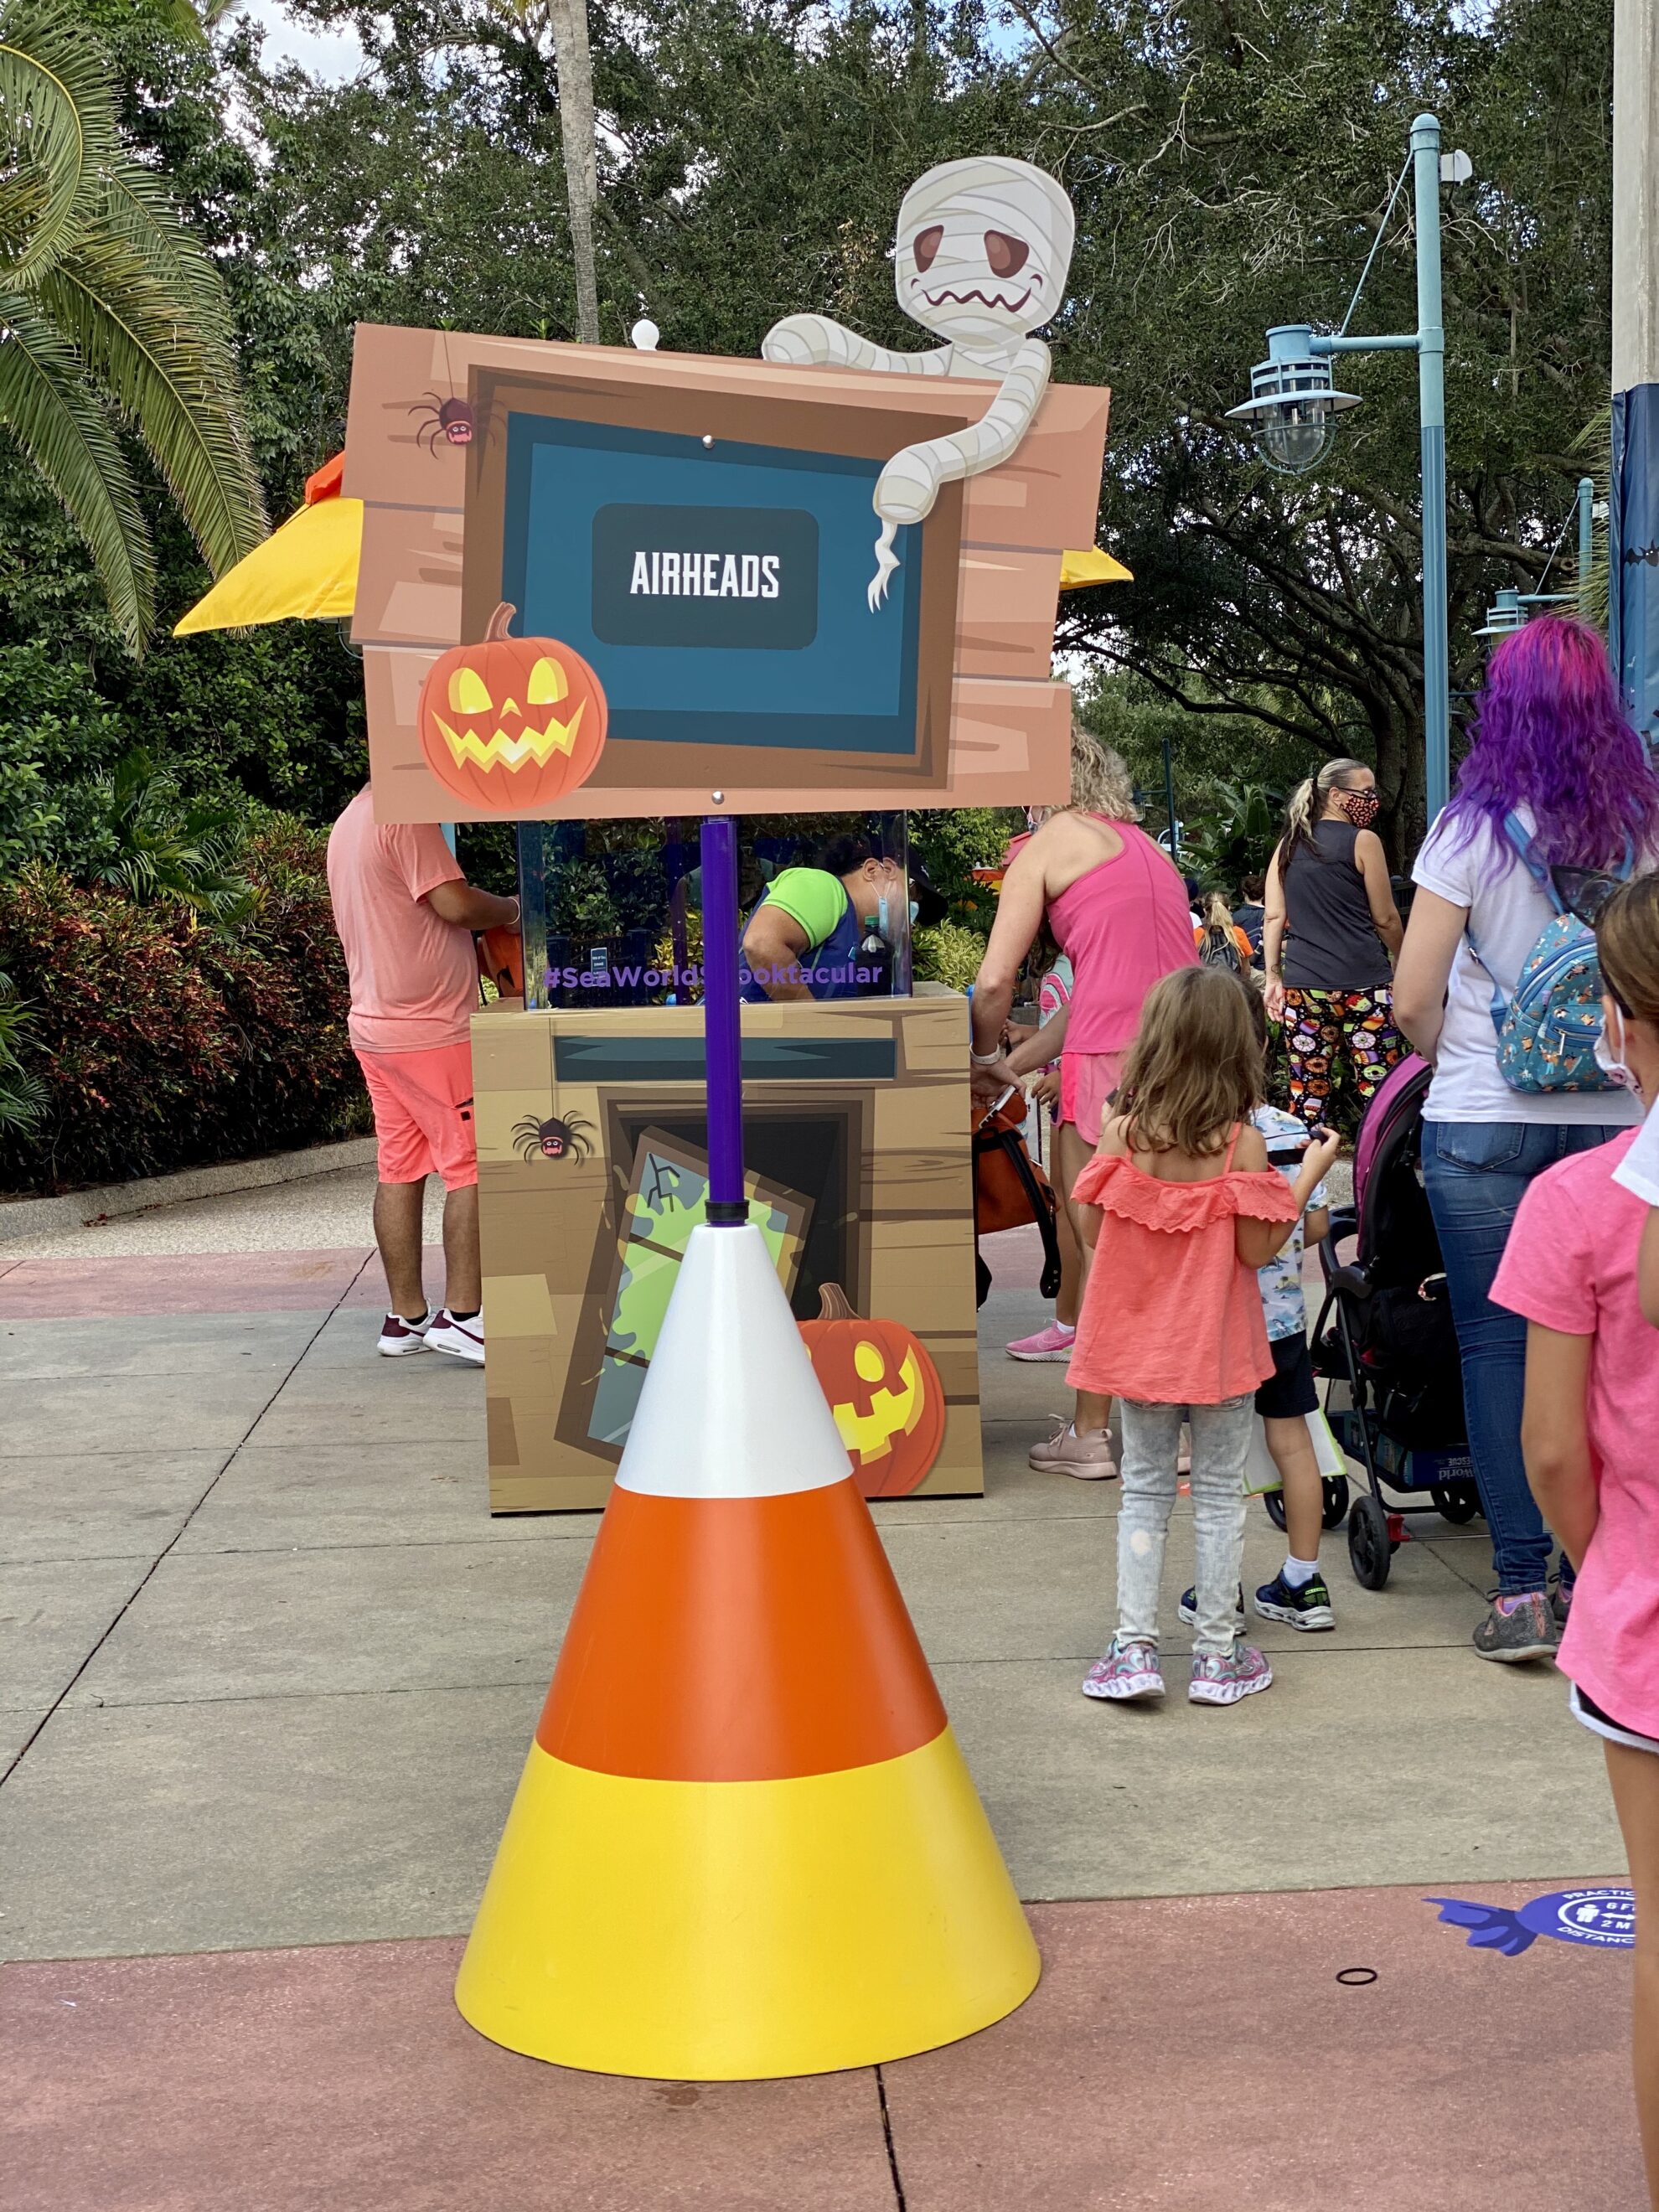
268 1671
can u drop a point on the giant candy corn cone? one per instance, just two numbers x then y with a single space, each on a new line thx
745 1843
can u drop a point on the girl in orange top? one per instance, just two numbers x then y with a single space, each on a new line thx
1184 1208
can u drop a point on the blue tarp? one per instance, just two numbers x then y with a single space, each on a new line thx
1633 554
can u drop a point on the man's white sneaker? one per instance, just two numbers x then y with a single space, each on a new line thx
399 1336
461 1340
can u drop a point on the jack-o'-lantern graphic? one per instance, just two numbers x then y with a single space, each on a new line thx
883 1391
512 724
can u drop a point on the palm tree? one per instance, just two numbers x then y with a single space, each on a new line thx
111 316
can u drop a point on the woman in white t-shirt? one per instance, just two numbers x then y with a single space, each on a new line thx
1554 766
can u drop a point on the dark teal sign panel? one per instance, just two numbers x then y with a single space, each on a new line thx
719 591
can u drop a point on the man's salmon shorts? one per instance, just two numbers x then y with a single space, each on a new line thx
422 1104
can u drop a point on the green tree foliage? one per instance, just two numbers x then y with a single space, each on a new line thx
1230 169
950 844
113 316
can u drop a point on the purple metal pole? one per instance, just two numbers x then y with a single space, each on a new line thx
722 1036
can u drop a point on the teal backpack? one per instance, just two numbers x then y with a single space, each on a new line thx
1547 1032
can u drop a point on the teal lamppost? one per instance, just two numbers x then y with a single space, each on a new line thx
1512 609
1293 410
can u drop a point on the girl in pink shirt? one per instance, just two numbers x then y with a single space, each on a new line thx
1590 1417
1184 1208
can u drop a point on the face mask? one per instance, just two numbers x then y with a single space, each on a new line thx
882 914
1610 1051
1361 807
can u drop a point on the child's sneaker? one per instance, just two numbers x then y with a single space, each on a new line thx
1306 1608
1189 1608
1055 1342
1518 1628
1222 1678
1126 1671
1088 1457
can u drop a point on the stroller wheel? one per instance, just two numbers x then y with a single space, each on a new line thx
1457 1501
1274 1502
1336 1501
1369 1552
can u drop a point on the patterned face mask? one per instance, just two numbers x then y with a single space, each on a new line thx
1361 807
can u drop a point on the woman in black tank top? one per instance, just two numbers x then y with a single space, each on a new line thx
1331 930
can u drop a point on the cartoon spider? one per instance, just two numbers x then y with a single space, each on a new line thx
553 1139
453 417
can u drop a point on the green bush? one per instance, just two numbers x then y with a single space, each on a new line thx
948 953
164 1041
952 844
22 1095
58 737
1234 837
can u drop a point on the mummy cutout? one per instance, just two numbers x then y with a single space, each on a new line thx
981 259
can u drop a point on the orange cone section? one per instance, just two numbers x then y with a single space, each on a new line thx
745 1843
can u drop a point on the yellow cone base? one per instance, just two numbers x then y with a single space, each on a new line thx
728 1931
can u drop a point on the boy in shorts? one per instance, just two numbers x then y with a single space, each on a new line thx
1297 1593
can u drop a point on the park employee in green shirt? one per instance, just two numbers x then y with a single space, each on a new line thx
802 941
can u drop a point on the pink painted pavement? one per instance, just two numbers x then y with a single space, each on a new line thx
1194 2052
178 1283
199 1282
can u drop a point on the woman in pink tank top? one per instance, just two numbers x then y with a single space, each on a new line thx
1118 908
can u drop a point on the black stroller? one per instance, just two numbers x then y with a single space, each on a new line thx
1385 1342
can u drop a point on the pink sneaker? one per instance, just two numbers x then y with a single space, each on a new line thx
1055 1342
1222 1678
1064 1452
1126 1671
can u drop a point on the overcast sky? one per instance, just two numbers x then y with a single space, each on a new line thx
329 54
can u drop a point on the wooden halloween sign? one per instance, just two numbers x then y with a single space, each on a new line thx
883 1391
697 529
512 724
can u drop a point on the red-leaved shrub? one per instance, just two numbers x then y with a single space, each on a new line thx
167 1043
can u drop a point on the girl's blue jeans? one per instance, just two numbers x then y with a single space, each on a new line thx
1476 1174
1152 1439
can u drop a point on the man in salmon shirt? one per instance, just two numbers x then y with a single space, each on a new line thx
405 914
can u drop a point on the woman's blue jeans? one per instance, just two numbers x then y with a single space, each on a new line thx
1476 1174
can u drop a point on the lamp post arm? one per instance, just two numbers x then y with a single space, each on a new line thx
1405 342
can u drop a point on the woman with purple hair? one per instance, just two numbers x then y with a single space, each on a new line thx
1554 777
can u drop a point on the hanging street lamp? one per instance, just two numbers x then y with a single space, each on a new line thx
1293 410
1513 608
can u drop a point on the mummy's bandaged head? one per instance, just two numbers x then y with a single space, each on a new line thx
982 251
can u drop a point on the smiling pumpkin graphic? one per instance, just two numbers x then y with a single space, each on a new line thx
883 1391
512 724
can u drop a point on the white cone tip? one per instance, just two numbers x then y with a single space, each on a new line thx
730 1407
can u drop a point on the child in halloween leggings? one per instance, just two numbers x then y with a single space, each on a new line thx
1324 1031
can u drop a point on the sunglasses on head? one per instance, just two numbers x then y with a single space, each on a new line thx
1584 892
